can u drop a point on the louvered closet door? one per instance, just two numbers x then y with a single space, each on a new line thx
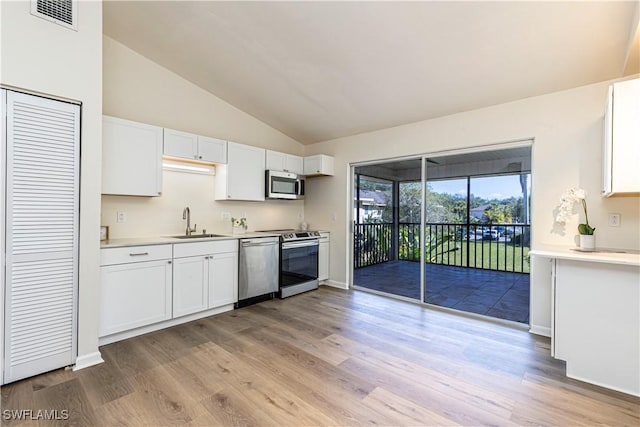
42 155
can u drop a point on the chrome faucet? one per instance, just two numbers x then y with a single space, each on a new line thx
186 214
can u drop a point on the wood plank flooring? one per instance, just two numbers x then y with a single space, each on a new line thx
328 357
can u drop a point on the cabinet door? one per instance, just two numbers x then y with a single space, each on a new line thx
245 172
294 164
134 295
323 260
131 158
276 161
41 141
626 136
190 285
284 162
223 279
319 164
180 144
212 150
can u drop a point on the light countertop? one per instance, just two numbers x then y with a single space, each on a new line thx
604 255
162 240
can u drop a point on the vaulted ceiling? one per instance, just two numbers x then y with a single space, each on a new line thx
319 70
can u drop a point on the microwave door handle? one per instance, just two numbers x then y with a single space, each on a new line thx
299 187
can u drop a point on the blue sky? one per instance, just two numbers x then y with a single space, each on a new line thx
491 187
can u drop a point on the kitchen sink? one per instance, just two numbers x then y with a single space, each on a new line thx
198 236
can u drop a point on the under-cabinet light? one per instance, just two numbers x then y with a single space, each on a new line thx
205 170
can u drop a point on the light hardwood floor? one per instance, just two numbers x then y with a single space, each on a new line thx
328 357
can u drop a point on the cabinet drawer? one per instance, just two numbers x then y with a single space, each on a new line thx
111 256
181 250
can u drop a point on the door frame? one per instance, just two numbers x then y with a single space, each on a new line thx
518 143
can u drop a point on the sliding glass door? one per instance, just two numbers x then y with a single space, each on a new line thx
387 206
451 230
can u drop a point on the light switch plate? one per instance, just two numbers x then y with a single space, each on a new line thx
121 217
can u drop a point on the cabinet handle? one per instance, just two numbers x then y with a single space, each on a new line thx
168 262
200 157
140 254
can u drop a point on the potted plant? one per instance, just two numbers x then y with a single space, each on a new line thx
239 225
567 201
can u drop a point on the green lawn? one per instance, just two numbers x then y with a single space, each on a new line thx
492 255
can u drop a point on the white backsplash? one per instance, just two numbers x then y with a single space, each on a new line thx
162 216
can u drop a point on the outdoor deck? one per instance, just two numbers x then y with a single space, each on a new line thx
504 295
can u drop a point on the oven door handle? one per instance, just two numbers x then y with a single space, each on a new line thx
303 244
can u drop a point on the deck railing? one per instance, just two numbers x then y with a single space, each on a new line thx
372 244
498 247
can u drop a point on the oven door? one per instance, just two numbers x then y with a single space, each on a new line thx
298 262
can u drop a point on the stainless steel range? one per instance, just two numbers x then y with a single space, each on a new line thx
298 261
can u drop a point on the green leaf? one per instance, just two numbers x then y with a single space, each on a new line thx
585 229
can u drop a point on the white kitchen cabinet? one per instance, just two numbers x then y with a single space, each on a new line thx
189 146
131 158
621 175
284 162
595 315
319 164
190 285
242 178
323 256
135 288
596 323
205 276
223 279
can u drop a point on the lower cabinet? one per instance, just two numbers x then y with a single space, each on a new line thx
323 256
146 285
134 294
208 279
190 288
596 323
223 279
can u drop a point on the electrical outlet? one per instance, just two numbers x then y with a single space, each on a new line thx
300 216
122 217
226 216
334 216
614 220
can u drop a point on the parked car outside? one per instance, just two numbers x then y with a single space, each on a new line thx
490 235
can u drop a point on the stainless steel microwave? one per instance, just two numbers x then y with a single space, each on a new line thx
283 185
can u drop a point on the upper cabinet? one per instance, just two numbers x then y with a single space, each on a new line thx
242 178
318 165
189 146
621 175
284 162
131 158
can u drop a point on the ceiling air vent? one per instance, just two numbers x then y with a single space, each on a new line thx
62 12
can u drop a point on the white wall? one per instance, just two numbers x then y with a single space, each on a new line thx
40 56
567 129
136 88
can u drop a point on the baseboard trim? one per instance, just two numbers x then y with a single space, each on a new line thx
119 336
540 330
334 284
87 360
599 384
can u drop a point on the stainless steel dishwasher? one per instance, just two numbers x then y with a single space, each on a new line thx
258 269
